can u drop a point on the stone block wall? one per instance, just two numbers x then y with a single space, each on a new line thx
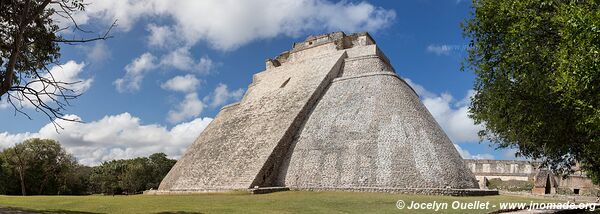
231 152
329 114
371 130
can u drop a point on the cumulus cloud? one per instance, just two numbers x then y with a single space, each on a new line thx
453 117
182 59
442 49
97 53
69 76
161 36
115 137
187 83
421 91
222 95
70 73
467 155
190 107
4 104
228 24
450 113
135 72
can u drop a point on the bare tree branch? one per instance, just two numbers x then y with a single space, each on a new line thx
103 37
30 42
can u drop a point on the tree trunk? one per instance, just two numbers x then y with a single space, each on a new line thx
42 185
22 178
24 20
12 60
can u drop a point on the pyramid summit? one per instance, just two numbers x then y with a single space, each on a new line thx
329 114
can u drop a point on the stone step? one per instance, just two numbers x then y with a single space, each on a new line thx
265 190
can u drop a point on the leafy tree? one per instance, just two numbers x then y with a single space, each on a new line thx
75 181
3 177
137 176
538 78
9 182
130 176
18 158
161 165
29 41
41 165
106 177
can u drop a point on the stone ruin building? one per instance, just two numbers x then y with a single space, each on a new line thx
329 114
542 181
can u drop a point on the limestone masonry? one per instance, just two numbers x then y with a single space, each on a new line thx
331 113
543 180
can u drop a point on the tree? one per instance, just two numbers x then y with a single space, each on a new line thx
4 175
29 42
9 181
538 78
75 181
137 175
130 176
107 177
19 158
161 165
41 165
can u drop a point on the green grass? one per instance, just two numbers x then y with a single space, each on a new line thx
241 202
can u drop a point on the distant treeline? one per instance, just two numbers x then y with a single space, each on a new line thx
43 167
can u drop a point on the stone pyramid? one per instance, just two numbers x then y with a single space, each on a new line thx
331 113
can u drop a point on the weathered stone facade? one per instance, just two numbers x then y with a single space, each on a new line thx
503 169
542 180
329 114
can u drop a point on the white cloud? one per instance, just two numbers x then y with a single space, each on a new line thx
204 65
451 114
135 72
161 36
228 24
467 155
66 75
187 83
442 49
190 107
421 91
454 119
182 59
69 73
222 96
4 104
97 53
115 137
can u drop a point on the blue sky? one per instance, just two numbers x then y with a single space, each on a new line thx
172 64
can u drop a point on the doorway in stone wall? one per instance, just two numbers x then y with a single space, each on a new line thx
548 185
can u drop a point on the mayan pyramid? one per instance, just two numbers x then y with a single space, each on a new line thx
331 113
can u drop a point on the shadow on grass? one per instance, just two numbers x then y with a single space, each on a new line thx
18 210
178 212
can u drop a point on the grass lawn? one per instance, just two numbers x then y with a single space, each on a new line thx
241 202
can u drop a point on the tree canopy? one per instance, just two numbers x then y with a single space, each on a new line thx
43 167
538 78
30 38
40 166
130 176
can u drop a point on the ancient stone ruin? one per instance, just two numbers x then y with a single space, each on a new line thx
329 114
537 179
